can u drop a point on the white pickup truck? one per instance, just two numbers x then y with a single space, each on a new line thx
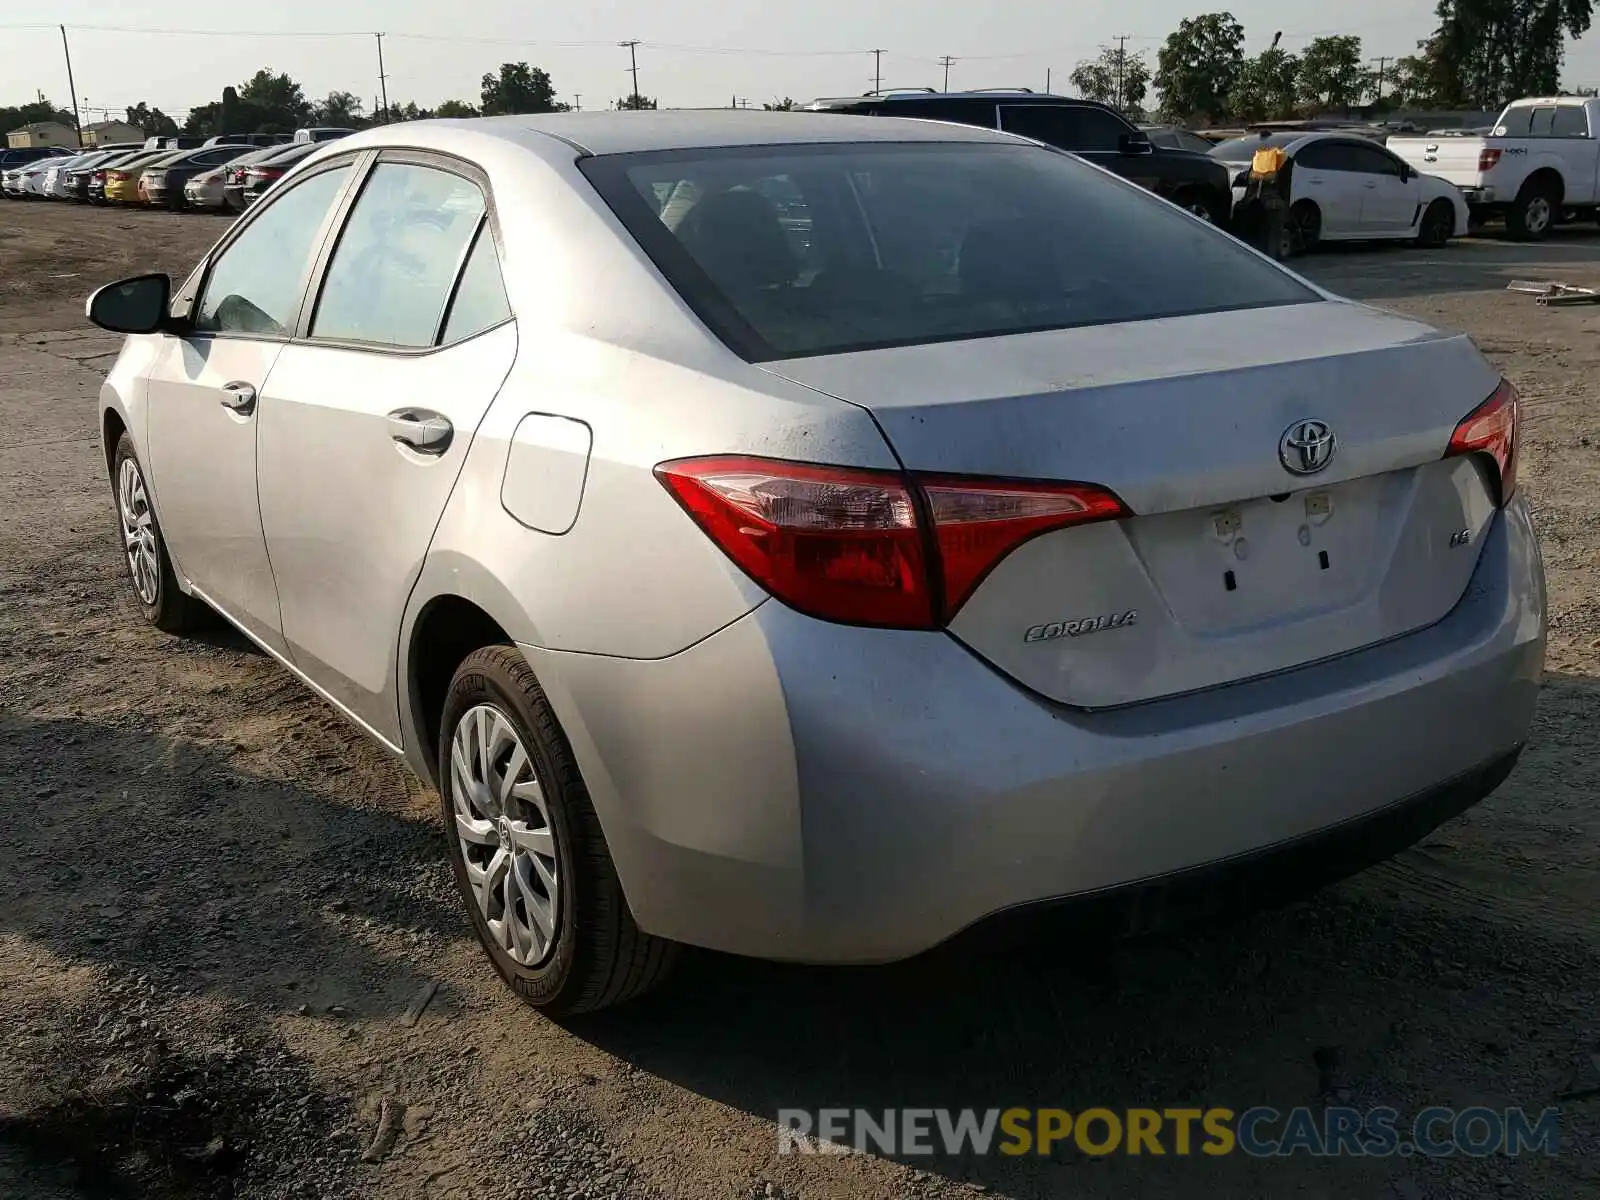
1539 166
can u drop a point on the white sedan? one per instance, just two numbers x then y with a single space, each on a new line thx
1346 187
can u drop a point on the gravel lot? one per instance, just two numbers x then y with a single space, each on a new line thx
218 903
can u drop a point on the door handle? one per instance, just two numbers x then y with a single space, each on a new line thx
426 432
240 397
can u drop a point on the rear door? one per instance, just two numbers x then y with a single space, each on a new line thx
367 420
1327 174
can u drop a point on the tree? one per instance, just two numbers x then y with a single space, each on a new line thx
1116 77
272 99
1331 74
1198 65
410 112
29 114
636 101
1413 81
1486 52
455 108
518 88
152 121
785 105
1267 86
340 108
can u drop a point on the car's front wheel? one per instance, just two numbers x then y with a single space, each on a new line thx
529 855
1438 225
155 584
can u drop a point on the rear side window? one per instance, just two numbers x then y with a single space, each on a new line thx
1528 120
254 285
1569 121
480 301
397 259
898 244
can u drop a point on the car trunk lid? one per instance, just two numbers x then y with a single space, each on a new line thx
1232 565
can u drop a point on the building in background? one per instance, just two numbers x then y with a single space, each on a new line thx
42 133
106 133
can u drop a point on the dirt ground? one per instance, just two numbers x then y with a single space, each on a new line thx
220 908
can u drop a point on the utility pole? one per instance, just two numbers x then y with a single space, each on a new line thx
633 60
1122 58
877 70
1047 90
1382 63
946 63
383 84
577 101
72 88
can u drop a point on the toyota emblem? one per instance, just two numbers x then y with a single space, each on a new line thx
1306 447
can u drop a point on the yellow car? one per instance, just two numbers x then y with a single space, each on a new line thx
122 180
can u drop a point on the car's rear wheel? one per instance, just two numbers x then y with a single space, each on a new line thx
155 585
528 852
1438 225
1303 230
1532 213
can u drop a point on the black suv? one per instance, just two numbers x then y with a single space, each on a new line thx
1096 132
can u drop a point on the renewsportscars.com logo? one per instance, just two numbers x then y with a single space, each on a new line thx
1260 1132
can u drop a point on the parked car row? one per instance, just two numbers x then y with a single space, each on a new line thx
227 172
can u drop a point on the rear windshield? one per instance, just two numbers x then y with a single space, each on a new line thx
1240 149
801 250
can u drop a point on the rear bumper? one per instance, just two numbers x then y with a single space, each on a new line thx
798 790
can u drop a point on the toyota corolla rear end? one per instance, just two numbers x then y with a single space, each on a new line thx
1189 585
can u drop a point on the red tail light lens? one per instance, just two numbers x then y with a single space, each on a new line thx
871 547
976 524
839 544
1493 428
1488 158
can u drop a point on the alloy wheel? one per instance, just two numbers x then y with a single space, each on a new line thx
1537 218
138 532
508 840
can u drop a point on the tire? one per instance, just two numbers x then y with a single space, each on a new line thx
593 956
155 585
1195 201
1303 229
1438 225
1532 213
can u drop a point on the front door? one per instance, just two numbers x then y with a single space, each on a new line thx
204 405
1390 192
366 423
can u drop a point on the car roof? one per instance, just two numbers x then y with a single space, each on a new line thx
601 133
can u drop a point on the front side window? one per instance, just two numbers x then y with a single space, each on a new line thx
897 244
1372 161
254 285
392 272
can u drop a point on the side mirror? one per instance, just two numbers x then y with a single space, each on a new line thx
1137 142
137 305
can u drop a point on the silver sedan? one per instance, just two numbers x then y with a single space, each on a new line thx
814 537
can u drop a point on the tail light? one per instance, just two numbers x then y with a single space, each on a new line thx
871 547
1493 428
1488 158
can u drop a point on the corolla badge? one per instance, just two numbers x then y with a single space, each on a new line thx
1307 446
1060 629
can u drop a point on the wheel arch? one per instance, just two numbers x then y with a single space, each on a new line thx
1548 180
444 630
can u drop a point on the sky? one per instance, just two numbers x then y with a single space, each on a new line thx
176 54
